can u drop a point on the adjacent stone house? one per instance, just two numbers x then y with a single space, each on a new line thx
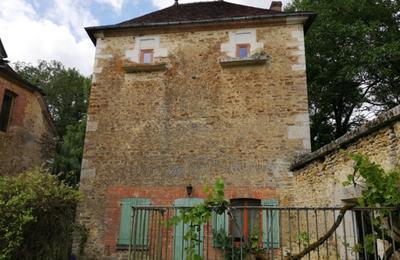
186 94
27 133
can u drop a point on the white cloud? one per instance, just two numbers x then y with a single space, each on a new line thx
116 4
72 13
57 33
255 3
28 37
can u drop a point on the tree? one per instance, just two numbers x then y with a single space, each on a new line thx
353 63
67 91
37 216
70 151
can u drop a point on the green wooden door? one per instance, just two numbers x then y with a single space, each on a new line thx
220 227
180 230
271 236
141 219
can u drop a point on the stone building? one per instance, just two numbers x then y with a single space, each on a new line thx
186 94
27 133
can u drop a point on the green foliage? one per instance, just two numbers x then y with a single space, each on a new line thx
37 213
357 248
369 242
225 243
67 93
353 62
199 215
380 188
304 239
69 157
216 197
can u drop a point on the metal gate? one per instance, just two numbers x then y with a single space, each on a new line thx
265 232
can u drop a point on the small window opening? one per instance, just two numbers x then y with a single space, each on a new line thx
243 50
247 219
146 56
5 113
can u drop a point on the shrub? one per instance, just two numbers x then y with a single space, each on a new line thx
37 213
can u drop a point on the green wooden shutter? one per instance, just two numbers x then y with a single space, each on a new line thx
271 236
220 227
141 219
180 230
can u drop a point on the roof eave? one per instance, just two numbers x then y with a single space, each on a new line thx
20 81
3 53
310 18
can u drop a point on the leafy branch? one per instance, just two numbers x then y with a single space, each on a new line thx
198 216
379 189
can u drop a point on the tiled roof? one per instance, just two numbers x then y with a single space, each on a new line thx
199 11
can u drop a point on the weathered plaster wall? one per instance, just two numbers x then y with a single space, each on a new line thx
152 134
29 141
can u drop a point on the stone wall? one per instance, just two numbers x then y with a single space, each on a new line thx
30 139
318 182
151 134
318 177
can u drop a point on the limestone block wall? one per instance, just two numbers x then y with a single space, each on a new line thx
151 134
30 140
318 177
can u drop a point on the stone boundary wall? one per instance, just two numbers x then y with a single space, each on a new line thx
370 127
318 177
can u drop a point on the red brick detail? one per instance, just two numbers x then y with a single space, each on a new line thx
162 196
20 101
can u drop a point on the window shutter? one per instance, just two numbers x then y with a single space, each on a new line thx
271 236
180 230
141 219
220 227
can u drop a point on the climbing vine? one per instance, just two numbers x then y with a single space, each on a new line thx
380 188
198 216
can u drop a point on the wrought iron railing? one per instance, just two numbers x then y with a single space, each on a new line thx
269 233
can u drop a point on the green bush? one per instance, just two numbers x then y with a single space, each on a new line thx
36 216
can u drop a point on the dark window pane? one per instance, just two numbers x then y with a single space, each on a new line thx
237 225
241 216
5 112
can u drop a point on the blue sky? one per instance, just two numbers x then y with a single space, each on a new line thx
33 30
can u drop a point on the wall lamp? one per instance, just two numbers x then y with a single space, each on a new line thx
189 190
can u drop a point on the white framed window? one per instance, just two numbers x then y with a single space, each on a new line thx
241 43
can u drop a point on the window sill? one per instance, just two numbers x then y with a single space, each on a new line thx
247 61
137 68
